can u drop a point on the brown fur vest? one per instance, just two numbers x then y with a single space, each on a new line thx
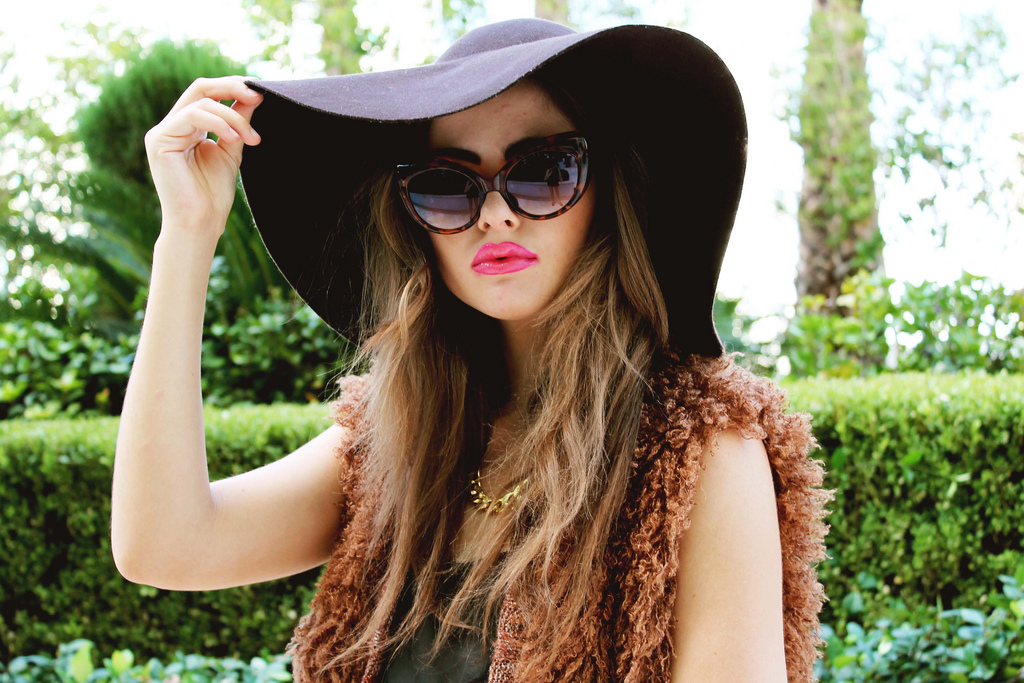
696 398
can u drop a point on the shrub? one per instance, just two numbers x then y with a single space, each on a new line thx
967 324
934 645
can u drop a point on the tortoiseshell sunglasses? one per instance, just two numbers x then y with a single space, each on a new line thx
540 182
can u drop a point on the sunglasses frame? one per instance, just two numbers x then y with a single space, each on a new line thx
571 141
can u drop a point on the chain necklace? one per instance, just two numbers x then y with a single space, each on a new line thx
487 504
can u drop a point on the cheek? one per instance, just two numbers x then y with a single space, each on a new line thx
443 256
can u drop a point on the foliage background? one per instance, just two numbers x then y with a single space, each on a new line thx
929 485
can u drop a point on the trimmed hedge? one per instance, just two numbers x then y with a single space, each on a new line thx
58 581
929 473
929 508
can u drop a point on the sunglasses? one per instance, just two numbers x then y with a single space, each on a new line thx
540 182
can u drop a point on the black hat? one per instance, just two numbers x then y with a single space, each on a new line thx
662 90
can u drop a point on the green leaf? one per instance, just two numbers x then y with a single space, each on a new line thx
972 616
866 580
843 660
853 602
912 458
121 661
81 666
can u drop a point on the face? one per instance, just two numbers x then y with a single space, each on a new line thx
524 110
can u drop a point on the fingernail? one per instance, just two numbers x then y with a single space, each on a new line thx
253 131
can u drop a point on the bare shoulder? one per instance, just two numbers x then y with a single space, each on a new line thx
728 605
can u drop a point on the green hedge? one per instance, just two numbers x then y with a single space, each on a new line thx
929 472
929 508
58 581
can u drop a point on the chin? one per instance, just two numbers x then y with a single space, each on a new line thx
514 310
509 313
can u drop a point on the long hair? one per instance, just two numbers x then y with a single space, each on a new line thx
440 380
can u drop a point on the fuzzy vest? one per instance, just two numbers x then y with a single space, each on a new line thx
695 398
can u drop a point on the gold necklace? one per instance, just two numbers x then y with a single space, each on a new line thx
486 503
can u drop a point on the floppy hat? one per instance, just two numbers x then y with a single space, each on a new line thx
662 90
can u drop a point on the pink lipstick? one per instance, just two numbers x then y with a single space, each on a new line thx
507 257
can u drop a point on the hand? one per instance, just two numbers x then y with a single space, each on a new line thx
195 176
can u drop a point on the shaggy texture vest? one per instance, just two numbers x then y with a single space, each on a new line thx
626 633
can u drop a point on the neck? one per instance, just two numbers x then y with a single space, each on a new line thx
519 338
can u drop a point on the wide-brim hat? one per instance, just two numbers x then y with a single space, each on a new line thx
660 89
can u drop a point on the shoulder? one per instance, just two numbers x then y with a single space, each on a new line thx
751 513
729 597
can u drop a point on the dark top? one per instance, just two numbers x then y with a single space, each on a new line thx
465 658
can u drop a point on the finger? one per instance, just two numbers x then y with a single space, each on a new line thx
234 147
245 111
234 118
223 88
178 132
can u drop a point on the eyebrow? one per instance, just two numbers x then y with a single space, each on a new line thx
474 158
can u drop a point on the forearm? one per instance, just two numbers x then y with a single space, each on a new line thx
161 496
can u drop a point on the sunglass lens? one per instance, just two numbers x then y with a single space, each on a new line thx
444 198
544 182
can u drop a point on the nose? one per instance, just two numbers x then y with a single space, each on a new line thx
496 211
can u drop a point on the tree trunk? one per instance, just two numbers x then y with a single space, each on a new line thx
838 217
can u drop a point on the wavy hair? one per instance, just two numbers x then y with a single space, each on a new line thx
440 380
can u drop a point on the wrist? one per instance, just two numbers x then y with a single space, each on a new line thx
182 258
185 245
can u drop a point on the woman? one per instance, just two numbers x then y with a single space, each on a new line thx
547 469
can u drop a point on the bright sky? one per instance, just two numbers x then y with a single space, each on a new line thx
752 36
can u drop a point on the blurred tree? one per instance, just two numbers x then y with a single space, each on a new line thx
81 204
117 193
555 10
736 330
342 40
1017 189
837 216
935 119
37 214
930 123
454 17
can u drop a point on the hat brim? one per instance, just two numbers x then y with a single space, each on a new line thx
662 90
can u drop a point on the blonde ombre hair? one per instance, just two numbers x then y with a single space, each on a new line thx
440 379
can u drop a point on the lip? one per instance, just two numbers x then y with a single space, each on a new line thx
507 257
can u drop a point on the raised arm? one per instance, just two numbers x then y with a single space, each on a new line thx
169 527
